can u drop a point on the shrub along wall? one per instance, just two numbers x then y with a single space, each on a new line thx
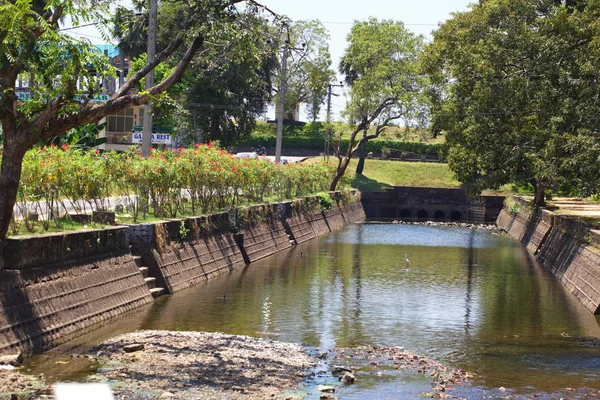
168 184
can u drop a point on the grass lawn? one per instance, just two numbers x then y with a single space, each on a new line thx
379 175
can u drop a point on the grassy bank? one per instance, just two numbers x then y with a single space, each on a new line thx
379 175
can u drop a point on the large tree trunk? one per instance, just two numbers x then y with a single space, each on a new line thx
15 146
215 127
539 199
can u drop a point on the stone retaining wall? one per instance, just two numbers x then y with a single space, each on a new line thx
56 286
208 250
262 232
431 204
529 226
300 224
43 306
563 245
32 251
244 236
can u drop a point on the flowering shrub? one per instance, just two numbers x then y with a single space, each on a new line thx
167 184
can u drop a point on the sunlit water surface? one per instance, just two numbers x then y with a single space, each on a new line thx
468 298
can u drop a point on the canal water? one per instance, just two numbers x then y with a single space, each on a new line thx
468 298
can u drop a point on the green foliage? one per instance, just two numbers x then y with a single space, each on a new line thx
317 141
309 65
168 183
381 66
64 74
83 137
183 231
130 29
325 201
313 127
515 92
219 99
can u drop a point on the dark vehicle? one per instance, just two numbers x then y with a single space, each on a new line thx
260 150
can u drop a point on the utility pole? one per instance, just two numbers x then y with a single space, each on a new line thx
281 105
147 126
328 133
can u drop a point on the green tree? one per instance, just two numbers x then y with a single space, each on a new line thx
309 71
220 97
130 29
515 89
60 81
224 96
382 64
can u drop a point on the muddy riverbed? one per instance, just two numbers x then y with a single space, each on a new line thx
200 365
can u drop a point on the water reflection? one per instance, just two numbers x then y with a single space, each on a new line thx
471 299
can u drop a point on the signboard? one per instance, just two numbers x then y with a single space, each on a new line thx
99 98
157 138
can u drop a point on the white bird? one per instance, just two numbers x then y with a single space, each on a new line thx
406 260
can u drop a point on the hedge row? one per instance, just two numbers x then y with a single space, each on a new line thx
315 142
167 184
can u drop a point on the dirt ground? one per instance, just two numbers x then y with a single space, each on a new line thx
199 365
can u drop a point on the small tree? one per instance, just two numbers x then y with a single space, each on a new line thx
309 70
381 64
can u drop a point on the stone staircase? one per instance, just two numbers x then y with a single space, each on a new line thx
150 280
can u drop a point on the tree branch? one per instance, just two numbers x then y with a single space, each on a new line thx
163 55
183 63
59 125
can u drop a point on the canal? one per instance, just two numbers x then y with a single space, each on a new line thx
469 298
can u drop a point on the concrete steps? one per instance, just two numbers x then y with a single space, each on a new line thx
150 280
155 292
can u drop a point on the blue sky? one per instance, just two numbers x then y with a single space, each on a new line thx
420 16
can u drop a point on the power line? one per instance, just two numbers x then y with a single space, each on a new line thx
352 23
79 26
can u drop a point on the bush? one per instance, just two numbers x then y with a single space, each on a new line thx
314 127
168 183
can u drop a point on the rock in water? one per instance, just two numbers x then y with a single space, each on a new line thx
326 389
13 359
347 378
130 348
339 370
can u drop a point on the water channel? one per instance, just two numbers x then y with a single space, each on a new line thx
472 299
